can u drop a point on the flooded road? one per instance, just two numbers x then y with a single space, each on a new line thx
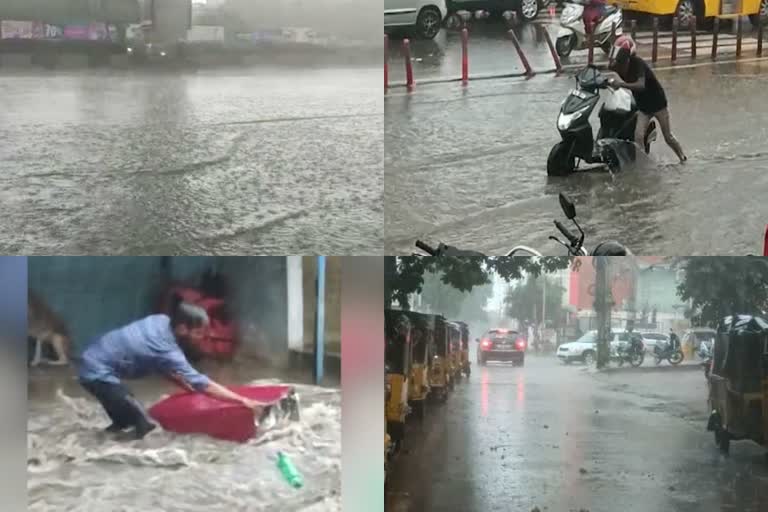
468 167
73 466
267 161
555 437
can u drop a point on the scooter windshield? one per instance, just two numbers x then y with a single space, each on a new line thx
579 99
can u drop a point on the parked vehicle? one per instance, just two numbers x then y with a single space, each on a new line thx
703 11
694 337
464 328
573 36
666 351
585 348
651 339
632 351
527 10
440 366
454 336
738 386
705 354
423 17
422 339
397 364
502 345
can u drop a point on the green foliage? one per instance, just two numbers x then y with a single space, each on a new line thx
524 302
452 302
405 275
722 285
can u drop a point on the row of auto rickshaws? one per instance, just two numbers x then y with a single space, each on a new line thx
424 356
738 382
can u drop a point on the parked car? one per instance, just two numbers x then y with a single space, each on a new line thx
423 17
527 10
502 345
651 339
585 348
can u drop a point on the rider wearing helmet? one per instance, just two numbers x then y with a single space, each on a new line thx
633 73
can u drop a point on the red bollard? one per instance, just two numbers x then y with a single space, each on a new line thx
655 48
386 63
765 242
738 37
715 32
408 64
760 24
591 45
674 38
464 56
555 56
693 38
528 70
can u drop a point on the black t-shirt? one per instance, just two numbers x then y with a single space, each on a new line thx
651 99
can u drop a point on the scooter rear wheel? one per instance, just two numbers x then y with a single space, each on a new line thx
561 161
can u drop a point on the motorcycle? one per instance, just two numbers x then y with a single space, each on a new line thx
673 355
632 352
614 143
573 36
575 245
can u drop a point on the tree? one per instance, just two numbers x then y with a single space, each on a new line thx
453 303
724 285
524 301
405 275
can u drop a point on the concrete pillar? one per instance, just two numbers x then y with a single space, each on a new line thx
295 293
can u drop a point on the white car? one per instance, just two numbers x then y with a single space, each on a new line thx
651 339
424 17
585 348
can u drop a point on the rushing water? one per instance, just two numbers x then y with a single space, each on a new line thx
260 160
73 465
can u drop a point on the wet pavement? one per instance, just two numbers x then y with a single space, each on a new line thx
467 166
560 438
73 466
232 161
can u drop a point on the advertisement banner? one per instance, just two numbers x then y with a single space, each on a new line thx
21 30
90 32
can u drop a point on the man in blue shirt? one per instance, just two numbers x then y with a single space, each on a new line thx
155 344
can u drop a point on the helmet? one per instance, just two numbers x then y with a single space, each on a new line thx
623 48
611 248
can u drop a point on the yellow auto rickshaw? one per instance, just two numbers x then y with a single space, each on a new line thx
422 336
397 362
464 330
455 342
702 11
738 382
440 365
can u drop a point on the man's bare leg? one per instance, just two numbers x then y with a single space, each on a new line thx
643 120
666 130
58 342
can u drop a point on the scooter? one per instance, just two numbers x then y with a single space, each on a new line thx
572 34
575 245
614 144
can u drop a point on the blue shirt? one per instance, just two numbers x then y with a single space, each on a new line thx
139 349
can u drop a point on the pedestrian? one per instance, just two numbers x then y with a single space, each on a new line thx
158 344
674 341
633 73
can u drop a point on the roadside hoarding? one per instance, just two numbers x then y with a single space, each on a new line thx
45 31
21 30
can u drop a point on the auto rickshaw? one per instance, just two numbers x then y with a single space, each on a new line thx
455 342
439 368
738 382
387 438
397 362
464 329
422 340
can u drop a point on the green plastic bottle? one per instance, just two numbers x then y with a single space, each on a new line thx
289 471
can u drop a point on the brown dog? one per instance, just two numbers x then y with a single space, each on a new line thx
45 326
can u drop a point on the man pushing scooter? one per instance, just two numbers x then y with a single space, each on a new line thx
633 73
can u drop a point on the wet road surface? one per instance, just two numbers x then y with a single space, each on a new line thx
267 161
559 438
467 166
73 466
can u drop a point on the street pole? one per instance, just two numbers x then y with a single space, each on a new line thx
320 320
603 310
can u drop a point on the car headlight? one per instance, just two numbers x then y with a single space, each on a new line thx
565 120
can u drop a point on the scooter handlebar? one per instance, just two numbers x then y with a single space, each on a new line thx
426 248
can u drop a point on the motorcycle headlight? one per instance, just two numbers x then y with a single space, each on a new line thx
565 120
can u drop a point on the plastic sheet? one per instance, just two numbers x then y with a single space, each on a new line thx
197 413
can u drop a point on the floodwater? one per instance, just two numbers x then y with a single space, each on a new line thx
550 437
73 466
467 166
260 160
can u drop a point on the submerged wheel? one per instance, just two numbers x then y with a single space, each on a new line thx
561 162
637 360
676 358
565 45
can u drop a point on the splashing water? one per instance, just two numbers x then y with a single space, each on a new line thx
73 465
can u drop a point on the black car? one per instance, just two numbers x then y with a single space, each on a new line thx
502 345
526 10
